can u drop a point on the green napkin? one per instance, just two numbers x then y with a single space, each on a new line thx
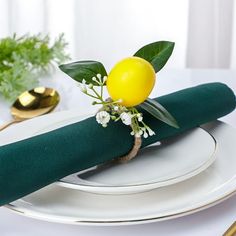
31 164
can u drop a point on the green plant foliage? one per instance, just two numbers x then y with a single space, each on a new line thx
24 59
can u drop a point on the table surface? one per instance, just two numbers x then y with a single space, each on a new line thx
210 222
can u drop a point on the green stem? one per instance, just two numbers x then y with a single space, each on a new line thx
133 127
102 103
107 103
135 124
100 97
145 126
90 95
102 90
136 110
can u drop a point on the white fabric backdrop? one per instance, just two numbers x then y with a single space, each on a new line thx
108 30
210 33
233 56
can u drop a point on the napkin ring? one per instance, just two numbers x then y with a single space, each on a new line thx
135 149
133 152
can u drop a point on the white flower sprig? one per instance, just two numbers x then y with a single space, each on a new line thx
113 110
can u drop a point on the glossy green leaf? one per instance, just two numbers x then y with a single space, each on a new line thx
84 70
159 112
156 53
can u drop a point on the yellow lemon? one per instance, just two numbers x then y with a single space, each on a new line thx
131 80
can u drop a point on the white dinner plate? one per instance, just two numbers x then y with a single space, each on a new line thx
158 165
218 182
155 166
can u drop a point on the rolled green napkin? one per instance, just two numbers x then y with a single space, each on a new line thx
31 164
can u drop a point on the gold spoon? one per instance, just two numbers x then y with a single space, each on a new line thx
231 230
32 103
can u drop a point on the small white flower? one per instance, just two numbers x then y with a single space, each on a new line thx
94 79
116 108
145 135
82 86
90 86
99 76
126 118
104 78
132 133
150 131
103 118
140 132
140 118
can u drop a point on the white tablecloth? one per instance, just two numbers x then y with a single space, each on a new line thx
211 222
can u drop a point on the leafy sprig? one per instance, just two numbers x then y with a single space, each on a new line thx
24 59
113 110
91 74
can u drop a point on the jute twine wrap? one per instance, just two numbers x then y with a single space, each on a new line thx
133 152
135 149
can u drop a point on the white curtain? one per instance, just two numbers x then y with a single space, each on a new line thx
233 55
108 30
34 16
210 34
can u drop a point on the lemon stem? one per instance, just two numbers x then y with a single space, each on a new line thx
90 95
98 96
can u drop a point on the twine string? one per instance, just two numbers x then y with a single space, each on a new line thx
135 149
133 152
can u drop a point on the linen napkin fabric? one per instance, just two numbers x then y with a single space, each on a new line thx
28 165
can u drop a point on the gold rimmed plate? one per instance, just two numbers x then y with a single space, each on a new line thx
158 165
217 183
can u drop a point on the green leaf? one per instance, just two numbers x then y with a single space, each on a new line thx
156 53
159 112
84 70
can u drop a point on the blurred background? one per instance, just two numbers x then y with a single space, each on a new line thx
109 30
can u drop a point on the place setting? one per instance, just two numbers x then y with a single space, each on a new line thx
136 160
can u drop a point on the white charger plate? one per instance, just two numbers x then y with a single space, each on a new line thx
158 165
212 186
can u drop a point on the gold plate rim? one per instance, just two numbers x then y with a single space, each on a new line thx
15 209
